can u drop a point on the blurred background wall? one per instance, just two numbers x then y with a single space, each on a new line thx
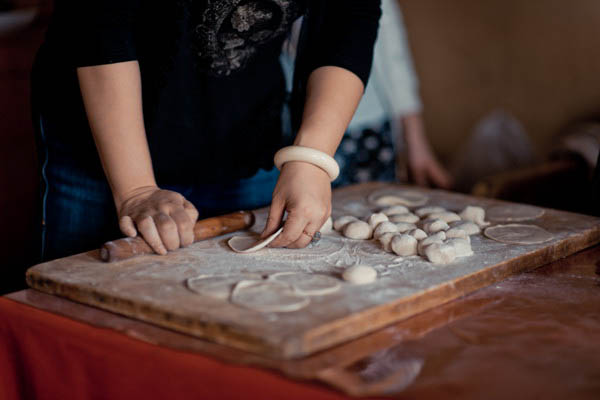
539 60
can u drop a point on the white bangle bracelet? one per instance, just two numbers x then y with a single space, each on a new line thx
311 156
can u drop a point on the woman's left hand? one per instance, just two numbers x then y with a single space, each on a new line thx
304 191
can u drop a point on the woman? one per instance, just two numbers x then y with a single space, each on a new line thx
154 114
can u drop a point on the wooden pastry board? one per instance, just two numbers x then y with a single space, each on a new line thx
152 288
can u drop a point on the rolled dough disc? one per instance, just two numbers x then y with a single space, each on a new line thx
249 244
308 284
219 286
518 234
267 296
398 197
514 213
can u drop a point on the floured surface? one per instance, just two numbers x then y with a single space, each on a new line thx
153 287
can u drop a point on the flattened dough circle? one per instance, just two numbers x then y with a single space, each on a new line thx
267 296
397 197
218 286
249 244
517 212
518 234
308 284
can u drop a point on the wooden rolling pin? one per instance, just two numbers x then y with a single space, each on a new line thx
122 249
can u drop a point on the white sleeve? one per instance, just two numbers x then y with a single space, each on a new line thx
393 75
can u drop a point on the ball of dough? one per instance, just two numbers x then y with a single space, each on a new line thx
474 214
360 274
457 233
406 217
327 226
394 210
358 230
341 222
405 227
445 216
470 228
384 227
440 253
418 234
386 240
434 225
425 211
436 238
376 219
462 247
404 245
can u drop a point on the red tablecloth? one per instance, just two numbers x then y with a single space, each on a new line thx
46 356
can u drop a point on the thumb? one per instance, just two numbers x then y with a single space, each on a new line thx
275 216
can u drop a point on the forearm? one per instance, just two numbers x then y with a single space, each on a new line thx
333 94
113 103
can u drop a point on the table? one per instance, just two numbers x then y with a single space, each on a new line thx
534 335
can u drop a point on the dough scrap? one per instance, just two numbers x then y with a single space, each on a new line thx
405 217
376 219
267 296
360 274
425 211
445 216
308 284
433 225
249 244
436 238
474 214
440 253
457 233
514 213
341 222
219 286
386 240
418 234
359 230
470 228
404 245
394 210
383 228
518 234
405 227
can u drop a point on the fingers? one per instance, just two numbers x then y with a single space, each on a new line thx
191 211
275 216
149 232
306 237
167 229
293 228
185 227
127 226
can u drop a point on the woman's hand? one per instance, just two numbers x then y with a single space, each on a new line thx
304 191
165 219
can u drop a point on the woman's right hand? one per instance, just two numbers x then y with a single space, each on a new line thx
165 219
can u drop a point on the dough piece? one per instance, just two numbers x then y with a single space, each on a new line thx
219 286
404 245
386 241
418 234
445 216
394 210
399 197
376 219
440 253
358 230
327 227
433 225
341 222
436 238
457 233
308 284
383 228
267 296
425 211
470 228
462 247
474 214
405 227
248 244
518 234
406 217
514 212
360 274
